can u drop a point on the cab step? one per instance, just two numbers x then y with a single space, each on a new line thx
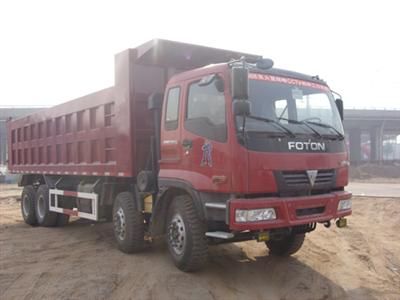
220 235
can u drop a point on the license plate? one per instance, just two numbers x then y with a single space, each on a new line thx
263 236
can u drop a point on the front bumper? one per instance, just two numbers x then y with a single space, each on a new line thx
290 211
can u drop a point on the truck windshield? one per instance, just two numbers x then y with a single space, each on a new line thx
303 107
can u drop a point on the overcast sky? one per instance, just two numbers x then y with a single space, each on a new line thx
54 51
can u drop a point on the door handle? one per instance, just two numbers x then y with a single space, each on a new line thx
218 179
187 144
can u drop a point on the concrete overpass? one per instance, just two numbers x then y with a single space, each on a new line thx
370 129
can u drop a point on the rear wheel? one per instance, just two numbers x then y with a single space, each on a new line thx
287 245
44 216
28 205
128 224
186 237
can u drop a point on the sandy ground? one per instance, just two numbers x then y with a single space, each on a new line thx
379 180
375 189
80 261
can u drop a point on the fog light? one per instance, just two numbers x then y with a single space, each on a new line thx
344 204
342 222
254 215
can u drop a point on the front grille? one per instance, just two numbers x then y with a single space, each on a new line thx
310 211
293 178
297 183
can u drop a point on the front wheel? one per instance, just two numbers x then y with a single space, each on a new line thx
186 237
287 245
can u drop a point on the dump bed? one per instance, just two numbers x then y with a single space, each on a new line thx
77 137
106 133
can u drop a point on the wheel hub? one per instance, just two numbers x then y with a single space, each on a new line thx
120 224
177 234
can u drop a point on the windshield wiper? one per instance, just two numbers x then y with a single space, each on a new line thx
324 125
302 123
279 125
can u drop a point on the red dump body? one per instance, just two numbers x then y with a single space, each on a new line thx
105 133
77 137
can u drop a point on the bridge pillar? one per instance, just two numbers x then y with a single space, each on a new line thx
355 144
376 137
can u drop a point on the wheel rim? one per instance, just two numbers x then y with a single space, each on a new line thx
177 234
120 224
41 207
26 205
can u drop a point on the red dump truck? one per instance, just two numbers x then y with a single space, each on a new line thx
195 144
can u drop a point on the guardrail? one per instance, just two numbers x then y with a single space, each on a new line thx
391 162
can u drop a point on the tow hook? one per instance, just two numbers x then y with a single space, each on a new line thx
342 222
327 224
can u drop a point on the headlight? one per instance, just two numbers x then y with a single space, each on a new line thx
254 215
344 204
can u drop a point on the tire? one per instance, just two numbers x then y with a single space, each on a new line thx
44 216
286 246
186 239
128 224
62 220
28 205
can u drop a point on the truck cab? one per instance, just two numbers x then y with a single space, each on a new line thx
264 159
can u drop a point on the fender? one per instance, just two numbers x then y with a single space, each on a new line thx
169 188
31 179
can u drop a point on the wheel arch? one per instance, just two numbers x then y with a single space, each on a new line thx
169 189
31 179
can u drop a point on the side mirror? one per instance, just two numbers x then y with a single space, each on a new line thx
155 101
219 84
241 107
339 105
240 83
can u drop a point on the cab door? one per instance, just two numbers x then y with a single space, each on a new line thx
205 140
171 150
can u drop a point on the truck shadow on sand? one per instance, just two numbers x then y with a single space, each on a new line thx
270 277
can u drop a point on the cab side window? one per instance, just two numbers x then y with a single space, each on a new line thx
172 111
205 112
